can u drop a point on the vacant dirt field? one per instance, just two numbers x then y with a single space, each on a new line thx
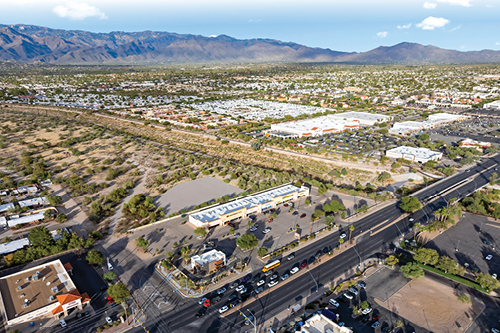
432 305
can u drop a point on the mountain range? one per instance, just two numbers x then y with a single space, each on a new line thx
29 43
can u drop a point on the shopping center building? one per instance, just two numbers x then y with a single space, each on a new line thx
242 207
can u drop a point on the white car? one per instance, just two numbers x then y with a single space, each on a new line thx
348 296
109 320
252 229
265 231
63 323
494 330
260 283
240 288
354 291
272 283
294 270
223 309
411 219
494 275
366 311
343 235
489 257
334 303
244 290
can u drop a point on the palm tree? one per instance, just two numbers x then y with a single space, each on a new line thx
351 229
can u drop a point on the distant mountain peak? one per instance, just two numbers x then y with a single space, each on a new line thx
31 43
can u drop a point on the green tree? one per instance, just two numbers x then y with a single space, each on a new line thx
96 207
262 251
40 237
446 264
231 231
142 242
410 204
54 200
365 305
344 172
351 229
391 261
47 215
493 178
95 257
424 137
307 202
249 223
119 292
318 213
487 281
247 241
200 231
61 218
426 256
412 270
399 323
110 276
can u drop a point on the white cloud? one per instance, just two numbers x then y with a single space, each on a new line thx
382 34
430 5
464 3
456 28
406 26
78 11
497 43
432 22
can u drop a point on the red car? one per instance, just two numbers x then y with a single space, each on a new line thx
303 265
270 220
376 316
303 215
206 303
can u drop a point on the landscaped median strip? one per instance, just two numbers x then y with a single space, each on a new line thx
456 278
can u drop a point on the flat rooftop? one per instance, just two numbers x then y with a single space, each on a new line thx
361 115
212 214
36 292
417 152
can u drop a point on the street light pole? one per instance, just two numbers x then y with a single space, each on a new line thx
358 256
317 287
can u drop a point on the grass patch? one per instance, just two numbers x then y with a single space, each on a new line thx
456 278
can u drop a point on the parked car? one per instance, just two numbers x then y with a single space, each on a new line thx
353 290
246 278
109 320
294 270
223 309
244 290
233 296
221 291
303 215
489 257
376 316
348 296
261 282
290 257
275 276
240 288
216 299
362 284
343 235
385 329
258 290
86 314
334 303
268 273
367 311
255 278
252 229
312 259
295 213
265 231
201 301
233 285
303 265
285 276
375 325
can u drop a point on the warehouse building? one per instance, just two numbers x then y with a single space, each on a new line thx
492 105
42 291
432 121
242 207
312 127
420 155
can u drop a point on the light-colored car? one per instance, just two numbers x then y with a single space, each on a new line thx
265 231
294 270
334 303
221 291
290 257
489 257
354 291
348 296
411 219
109 320
240 288
494 275
223 309
494 330
201 301
260 283
244 290
366 311
252 229
285 276
272 283
63 323
258 290
343 235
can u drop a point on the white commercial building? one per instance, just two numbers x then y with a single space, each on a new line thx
421 155
432 121
313 127
209 261
324 322
25 219
245 206
362 118
492 105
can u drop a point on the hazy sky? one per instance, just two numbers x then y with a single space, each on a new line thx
347 25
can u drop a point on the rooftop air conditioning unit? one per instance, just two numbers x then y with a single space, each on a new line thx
19 288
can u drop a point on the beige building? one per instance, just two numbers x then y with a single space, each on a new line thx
323 323
43 291
252 204
207 262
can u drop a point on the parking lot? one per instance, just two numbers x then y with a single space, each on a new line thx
469 242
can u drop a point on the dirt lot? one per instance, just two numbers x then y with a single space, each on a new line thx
432 305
